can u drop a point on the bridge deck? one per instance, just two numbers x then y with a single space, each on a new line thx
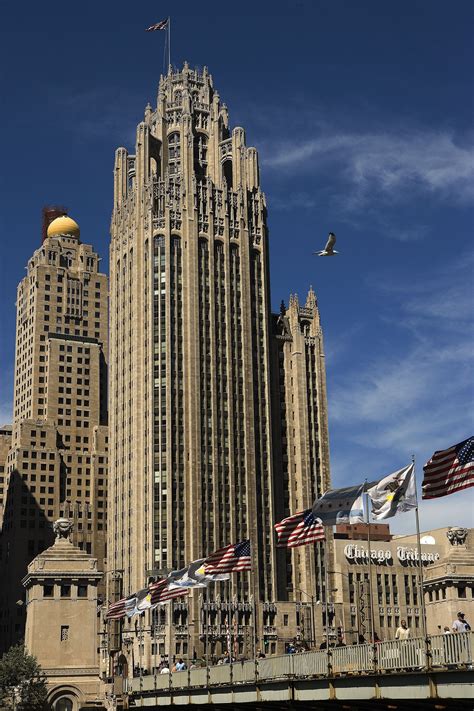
411 670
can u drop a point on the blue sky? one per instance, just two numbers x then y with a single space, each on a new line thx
362 114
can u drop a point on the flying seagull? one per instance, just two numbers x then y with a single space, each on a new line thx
328 250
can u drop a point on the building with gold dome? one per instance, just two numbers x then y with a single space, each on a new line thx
57 460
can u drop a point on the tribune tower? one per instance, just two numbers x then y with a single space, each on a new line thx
191 348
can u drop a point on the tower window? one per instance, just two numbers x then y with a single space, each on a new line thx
227 172
174 153
64 633
200 155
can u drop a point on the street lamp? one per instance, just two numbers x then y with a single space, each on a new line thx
313 625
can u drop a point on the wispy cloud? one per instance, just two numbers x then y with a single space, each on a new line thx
405 398
362 173
389 163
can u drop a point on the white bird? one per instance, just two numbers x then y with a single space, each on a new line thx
328 250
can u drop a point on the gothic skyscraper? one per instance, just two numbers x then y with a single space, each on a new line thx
191 342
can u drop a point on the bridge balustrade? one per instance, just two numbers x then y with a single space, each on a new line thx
243 672
275 667
451 649
310 663
355 659
198 677
440 651
219 674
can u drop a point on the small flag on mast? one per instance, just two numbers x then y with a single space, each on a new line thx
298 530
159 26
230 559
449 470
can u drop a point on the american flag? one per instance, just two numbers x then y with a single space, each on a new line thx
122 607
159 26
231 559
449 470
299 529
160 592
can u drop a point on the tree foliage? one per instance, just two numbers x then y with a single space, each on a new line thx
22 683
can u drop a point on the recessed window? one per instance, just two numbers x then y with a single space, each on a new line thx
64 633
82 591
65 591
48 590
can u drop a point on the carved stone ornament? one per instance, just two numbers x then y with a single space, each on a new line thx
62 527
457 535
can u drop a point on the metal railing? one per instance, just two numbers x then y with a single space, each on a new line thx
446 651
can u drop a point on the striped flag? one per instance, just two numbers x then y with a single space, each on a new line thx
299 529
231 559
125 606
449 470
161 593
159 26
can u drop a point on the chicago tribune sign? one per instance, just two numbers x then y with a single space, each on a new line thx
406 556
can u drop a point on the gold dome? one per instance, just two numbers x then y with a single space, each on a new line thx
64 225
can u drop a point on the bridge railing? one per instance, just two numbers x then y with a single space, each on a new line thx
440 651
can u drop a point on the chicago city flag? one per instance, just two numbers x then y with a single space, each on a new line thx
449 470
299 529
393 494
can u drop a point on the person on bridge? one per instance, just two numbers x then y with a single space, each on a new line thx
402 632
461 624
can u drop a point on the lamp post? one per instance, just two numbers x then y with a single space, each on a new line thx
313 625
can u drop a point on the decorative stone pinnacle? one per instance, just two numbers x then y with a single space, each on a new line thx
457 535
62 527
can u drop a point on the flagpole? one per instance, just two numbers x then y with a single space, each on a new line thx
420 562
169 43
206 631
371 602
326 585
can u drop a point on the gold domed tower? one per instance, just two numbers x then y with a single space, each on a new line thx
63 226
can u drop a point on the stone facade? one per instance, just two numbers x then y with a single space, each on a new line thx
448 573
57 461
196 357
61 622
5 444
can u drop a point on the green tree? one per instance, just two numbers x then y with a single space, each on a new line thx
22 683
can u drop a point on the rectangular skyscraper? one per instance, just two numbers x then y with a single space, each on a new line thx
57 463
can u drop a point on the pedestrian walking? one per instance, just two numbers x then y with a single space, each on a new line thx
402 632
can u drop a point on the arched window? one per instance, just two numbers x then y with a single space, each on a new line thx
227 172
174 153
200 155
154 148
64 704
305 328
